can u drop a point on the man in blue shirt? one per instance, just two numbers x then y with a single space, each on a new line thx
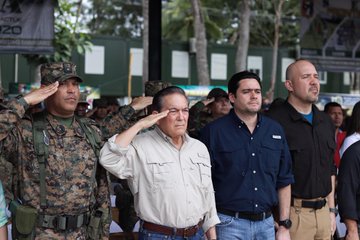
251 166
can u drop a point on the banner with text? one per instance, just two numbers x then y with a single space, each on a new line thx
26 26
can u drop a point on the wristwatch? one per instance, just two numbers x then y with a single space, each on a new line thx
285 223
334 210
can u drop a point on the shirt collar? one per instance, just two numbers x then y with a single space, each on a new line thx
185 137
238 121
295 115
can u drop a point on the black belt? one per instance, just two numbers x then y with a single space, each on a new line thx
246 215
64 222
311 204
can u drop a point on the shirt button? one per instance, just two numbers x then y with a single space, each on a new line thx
255 189
239 126
256 205
254 172
252 138
253 154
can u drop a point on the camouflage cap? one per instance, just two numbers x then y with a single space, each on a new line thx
58 71
152 87
83 98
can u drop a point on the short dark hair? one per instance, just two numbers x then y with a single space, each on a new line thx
233 83
157 102
354 124
330 105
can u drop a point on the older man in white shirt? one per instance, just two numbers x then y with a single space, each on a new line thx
168 172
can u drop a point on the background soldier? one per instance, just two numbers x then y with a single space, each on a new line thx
63 193
215 105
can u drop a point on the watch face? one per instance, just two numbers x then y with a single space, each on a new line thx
286 223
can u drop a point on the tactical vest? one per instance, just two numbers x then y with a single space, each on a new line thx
40 137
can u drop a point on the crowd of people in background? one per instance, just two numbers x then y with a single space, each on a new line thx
223 168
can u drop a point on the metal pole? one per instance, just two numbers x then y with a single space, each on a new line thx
16 67
154 40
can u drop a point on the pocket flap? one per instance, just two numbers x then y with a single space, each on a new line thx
25 219
201 158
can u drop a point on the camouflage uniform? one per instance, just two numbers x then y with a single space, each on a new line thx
199 114
198 118
68 169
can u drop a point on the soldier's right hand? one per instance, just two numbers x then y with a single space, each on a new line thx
208 101
140 103
39 95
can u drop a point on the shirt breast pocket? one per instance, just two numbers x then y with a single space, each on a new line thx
202 163
271 154
162 173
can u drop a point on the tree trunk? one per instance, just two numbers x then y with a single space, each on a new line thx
201 44
278 9
244 35
145 68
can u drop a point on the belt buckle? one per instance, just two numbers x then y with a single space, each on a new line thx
60 223
186 232
71 223
263 216
189 231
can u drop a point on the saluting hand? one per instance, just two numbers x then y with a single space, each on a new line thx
123 139
38 95
208 101
152 119
140 103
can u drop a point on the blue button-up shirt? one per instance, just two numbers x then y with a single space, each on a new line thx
247 168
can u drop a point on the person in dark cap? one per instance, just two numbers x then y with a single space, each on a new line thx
251 166
100 109
82 106
113 104
61 190
215 105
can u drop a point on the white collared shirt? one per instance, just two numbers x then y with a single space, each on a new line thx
171 187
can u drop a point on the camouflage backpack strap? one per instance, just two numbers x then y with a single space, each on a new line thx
93 137
41 143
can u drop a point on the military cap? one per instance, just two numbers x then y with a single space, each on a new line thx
58 71
100 103
152 87
112 101
217 93
83 97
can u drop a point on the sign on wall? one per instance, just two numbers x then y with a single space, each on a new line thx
26 26
330 34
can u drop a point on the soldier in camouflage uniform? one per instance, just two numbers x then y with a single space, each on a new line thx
215 105
74 184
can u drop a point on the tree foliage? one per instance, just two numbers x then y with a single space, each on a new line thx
178 21
263 21
67 38
115 18
222 21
